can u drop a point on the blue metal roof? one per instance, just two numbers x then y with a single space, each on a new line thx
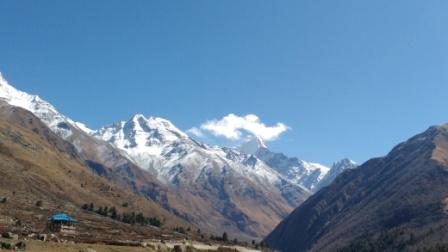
62 217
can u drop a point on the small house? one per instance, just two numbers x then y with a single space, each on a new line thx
62 223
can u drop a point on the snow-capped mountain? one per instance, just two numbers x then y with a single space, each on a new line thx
252 145
98 155
145 140
217 189
336 169
42 109
156 145
232 183
312 176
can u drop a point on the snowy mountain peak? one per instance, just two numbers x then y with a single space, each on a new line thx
41 108
336 169
9 93
2 80
346 162
252 145
137 117
142 137
342 165
162 126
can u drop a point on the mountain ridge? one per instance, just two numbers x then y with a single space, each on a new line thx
394 197
180 162
221 199
219 189
37 165
312 176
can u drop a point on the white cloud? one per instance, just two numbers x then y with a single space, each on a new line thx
195 132
234 127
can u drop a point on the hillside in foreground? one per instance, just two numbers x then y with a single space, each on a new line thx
37 179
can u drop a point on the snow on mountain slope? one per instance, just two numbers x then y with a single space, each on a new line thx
245 192
217 189
336 169
306 174
156 145
42 109
98 155
238 186
252 145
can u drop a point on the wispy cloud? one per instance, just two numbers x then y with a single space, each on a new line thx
235 127
195 132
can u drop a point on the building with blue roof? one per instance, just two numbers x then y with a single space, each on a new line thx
62 217
62 223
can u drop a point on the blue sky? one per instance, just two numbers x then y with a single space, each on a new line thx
349 78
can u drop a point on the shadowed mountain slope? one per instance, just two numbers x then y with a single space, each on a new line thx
394 203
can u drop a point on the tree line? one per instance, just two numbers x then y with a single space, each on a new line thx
129 218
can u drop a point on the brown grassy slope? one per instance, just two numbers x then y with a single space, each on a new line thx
396 202
25 119
31 169
213 205
232 205
98 155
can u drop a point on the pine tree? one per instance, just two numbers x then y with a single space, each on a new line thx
125 218
140 219
225 237
154 221
132 218
113 213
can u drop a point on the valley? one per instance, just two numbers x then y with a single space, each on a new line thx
217 189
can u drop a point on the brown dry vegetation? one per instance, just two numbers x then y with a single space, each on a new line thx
440 152
240 210
38 246
32 169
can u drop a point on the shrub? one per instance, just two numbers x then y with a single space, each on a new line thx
113 213
180 230
154 221
177 248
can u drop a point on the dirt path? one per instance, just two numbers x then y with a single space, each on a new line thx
38 246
